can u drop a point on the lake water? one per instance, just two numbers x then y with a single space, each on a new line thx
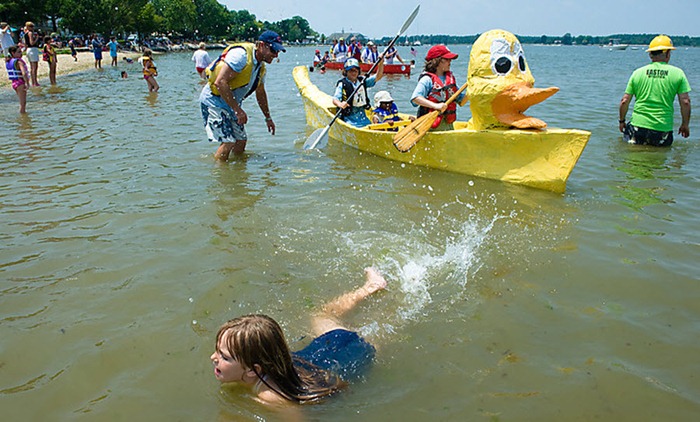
125 246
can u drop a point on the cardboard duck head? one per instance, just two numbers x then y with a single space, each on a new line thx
500 84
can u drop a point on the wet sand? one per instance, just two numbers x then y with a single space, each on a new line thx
67 65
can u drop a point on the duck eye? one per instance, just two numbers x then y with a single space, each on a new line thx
521 63
502 65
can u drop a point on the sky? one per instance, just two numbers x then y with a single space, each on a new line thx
384 18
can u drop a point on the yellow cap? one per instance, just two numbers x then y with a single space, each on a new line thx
660 43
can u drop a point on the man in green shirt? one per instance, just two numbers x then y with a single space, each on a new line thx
654 86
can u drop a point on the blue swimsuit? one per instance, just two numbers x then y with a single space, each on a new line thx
340 351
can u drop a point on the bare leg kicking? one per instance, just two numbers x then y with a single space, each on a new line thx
328 319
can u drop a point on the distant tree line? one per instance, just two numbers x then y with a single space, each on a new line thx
192 19
566 39
200 19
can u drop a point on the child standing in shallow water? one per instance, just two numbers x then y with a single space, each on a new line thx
149 70
17 71
51 58
251 350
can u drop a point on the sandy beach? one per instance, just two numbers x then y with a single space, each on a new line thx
67 65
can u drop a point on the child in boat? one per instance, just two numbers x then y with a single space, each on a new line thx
354 112
385 110
436 85
149 70
18 74
251 350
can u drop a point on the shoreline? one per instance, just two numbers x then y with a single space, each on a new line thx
67 66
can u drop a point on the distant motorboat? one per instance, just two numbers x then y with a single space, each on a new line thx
615 45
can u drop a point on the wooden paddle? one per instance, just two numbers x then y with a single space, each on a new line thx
319 134
407 137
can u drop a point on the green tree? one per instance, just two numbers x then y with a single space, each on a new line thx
294 29
85 16
212 18
178 15
147 21
244 26
566 39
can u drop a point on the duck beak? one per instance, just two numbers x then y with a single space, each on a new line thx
508 105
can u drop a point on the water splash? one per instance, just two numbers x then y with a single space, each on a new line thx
431 267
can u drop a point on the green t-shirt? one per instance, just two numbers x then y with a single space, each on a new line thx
654 87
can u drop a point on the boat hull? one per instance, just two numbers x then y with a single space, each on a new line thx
541 159
401 69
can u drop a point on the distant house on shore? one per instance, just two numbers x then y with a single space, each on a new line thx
347 35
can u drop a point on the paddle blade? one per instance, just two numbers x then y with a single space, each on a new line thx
411 134
409 21
317 139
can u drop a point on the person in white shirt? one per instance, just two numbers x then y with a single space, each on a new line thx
370 54
340 51
6 40
201 60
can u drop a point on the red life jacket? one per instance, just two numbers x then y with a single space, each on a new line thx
439 94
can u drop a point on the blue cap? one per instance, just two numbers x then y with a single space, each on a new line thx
272 38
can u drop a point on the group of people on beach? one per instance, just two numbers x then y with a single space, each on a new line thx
22 76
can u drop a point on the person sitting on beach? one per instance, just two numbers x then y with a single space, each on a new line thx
201 60
251 350
18 74
50 57
150 71
354 111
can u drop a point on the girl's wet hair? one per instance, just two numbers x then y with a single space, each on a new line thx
258 340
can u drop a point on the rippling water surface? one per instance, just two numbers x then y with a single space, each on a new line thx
125 246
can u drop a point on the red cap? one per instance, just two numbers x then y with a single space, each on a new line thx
440 50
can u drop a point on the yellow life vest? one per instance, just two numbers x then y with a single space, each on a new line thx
149 69
241 79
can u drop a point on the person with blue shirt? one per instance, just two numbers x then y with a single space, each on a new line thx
435 86
236 74
97 51
113 44
354 110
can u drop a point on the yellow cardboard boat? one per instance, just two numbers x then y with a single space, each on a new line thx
541 159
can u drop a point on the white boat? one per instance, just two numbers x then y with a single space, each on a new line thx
615 45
